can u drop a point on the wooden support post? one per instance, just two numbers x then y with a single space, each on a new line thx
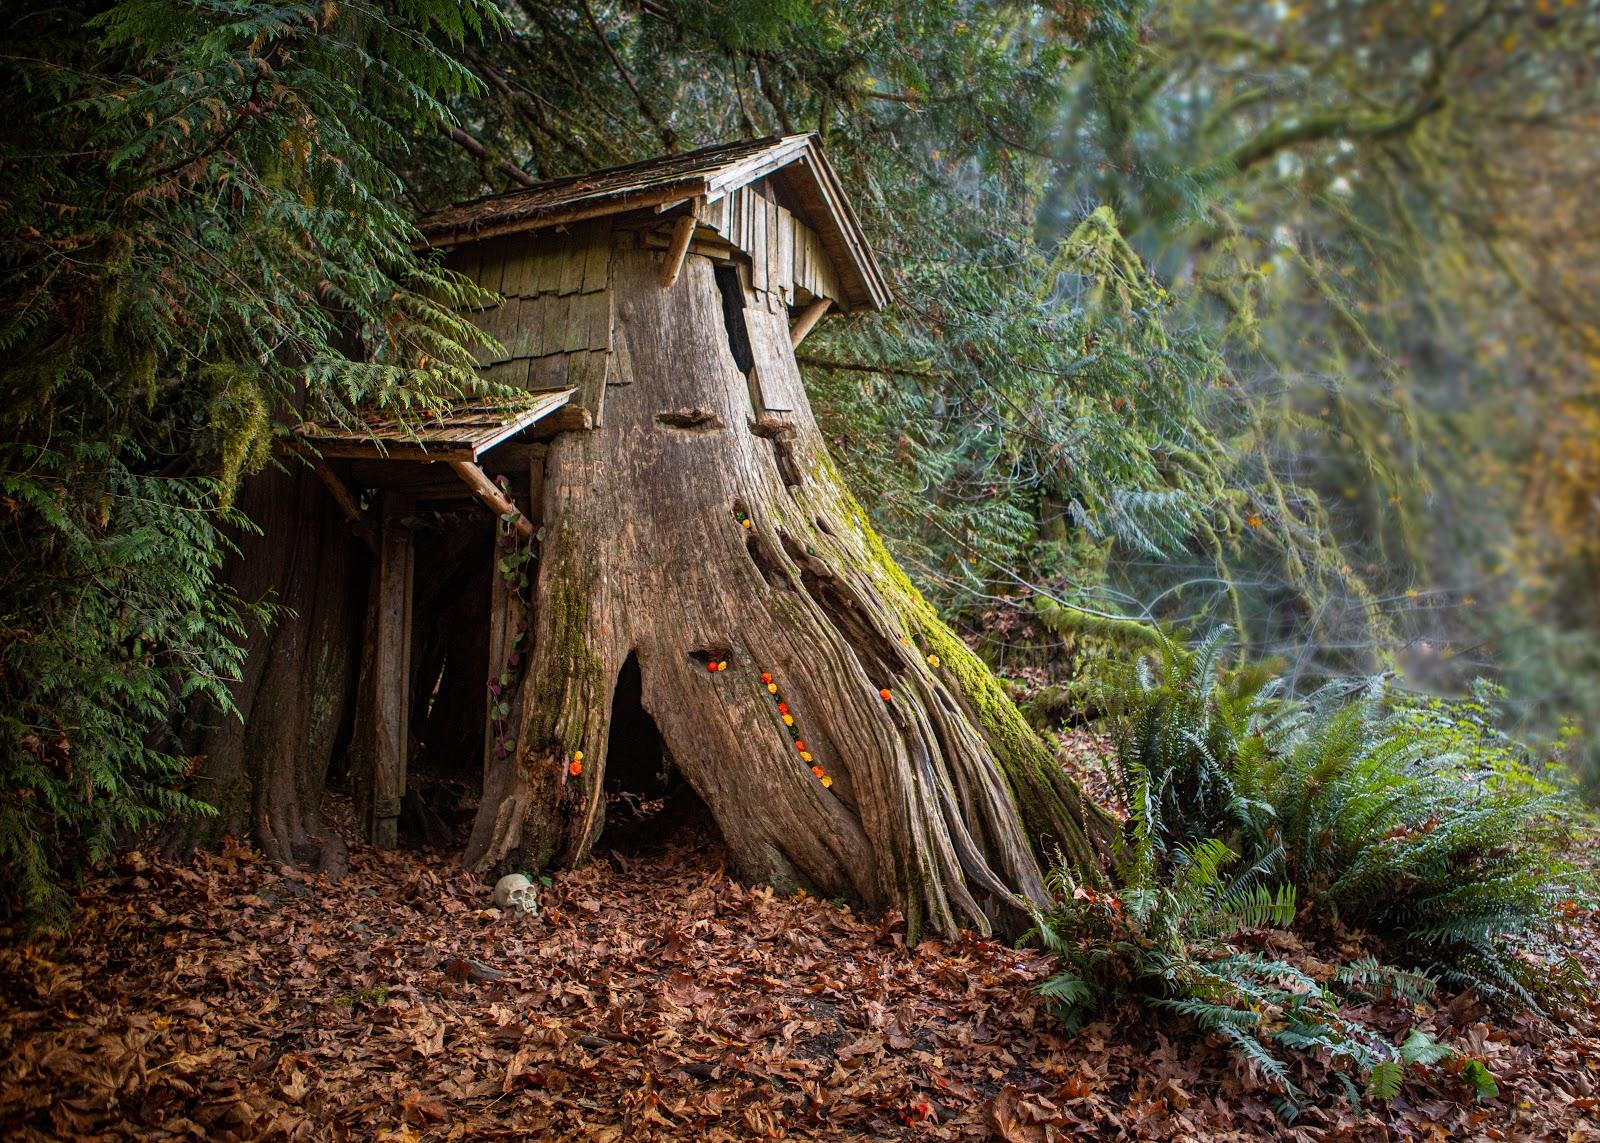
392 672
682 232
809 317
500 638
484 489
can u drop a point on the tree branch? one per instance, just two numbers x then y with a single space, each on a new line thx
669 137
478 150
865 367
1342 124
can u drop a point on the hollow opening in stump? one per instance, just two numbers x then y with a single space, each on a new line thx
647 801
732 293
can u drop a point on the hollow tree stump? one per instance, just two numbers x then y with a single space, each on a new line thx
694 526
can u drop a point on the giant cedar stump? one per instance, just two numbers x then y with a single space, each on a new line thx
942 799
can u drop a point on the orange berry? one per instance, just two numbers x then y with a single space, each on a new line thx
574 767
783 708
885 694
818 771
800 746
766 678
712 667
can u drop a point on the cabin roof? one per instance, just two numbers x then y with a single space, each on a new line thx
795 163
462 431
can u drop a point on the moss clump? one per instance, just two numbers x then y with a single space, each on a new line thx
375 997
566 697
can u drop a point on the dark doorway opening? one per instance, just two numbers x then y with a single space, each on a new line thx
449 677
648 804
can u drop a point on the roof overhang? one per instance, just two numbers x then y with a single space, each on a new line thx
659 185
462 432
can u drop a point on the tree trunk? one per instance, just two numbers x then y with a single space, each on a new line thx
694 527
264 768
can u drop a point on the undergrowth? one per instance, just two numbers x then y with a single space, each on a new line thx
1351 812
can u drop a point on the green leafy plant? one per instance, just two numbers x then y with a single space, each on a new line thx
1385 814
206 236
1180 936
122 625
1352 808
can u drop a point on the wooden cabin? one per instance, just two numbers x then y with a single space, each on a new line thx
768 214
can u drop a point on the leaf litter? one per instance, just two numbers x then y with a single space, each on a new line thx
654 996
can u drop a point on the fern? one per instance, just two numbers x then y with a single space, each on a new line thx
1250 809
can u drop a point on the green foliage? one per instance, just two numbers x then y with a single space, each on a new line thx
1414 821
119 624
1403 818
1177 936
206 234
1376 206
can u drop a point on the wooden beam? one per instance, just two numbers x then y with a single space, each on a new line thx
562 216
484 489
370 449
342 497
678 251
809 317
571 418
392 672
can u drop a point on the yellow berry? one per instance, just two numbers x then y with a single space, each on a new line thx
788 720
772 688
826 782
805 756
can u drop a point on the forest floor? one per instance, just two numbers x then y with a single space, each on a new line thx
654 996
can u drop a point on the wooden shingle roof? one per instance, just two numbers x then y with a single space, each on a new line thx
795 164
463 432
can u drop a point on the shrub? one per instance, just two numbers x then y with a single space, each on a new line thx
116 625
1181 941
1247 808
1403 818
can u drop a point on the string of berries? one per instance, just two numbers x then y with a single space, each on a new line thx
794 731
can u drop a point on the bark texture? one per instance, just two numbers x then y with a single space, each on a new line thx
265 767
943 802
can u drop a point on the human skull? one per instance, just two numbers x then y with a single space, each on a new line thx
514 891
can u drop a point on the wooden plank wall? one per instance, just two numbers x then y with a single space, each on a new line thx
787 257
556 322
